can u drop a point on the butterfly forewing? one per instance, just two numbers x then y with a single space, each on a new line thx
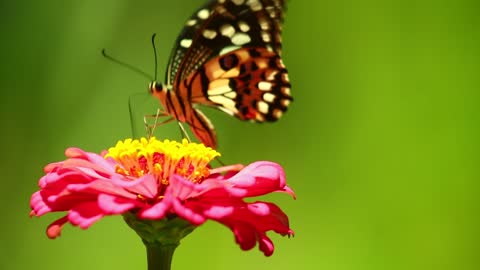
222 26
185 39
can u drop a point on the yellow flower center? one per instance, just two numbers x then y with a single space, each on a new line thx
136 158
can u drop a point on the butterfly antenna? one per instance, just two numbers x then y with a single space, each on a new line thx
128 66
155 55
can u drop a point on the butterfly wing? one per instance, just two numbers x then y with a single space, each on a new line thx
203 128
255 87
249 83
221 26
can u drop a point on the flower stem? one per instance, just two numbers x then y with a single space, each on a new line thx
159 257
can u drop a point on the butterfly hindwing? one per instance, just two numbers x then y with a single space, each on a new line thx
249 83
203 128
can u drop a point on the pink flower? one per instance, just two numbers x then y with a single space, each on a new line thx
158 180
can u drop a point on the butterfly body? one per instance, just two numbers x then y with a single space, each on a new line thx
227 57
182 109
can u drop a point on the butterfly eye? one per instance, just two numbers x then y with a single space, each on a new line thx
155 87
158 86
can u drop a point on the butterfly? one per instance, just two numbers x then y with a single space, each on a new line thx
228 57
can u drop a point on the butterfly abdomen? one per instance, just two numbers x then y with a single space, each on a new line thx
180 107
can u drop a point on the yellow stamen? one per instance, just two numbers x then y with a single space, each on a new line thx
136 158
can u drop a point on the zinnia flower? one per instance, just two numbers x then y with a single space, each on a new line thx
148 180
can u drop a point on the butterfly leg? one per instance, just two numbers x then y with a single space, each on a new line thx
183 132
220 161
150 128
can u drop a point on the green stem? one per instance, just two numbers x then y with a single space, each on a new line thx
159 257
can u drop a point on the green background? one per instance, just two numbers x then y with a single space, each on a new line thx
380 143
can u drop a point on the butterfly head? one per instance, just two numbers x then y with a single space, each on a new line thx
154 87
157 89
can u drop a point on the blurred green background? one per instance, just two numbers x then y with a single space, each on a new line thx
380 143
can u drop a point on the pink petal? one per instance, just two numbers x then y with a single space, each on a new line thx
39 207
146 185
178 190
85 214
77 153
259 178
188 213
54 230
112 205
157 211
248 221
218 212
245 235
266 245
182 188
260 209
